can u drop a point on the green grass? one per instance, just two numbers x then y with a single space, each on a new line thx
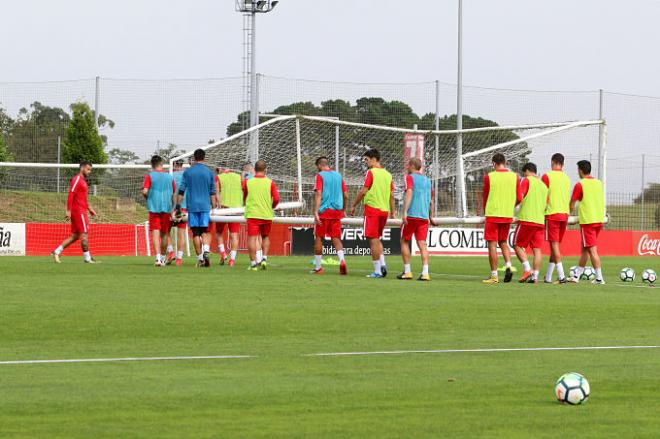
124 307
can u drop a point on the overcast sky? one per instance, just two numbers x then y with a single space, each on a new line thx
559 44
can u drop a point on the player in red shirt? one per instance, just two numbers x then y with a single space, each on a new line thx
76 212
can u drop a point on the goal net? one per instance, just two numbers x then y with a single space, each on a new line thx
290 145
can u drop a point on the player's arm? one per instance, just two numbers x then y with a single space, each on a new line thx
344 192
174 197
146 185
431 209
182 191
218 201
392 207
212 193
519 190
368 181
577 196
69 200
274 194
486 191
91 210
317 206
406 204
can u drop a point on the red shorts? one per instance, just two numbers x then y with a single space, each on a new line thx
182 224
415 226
554 230
497 231
160 221
258 227
374 225
79 222
528 236
330 227
233 227
590 234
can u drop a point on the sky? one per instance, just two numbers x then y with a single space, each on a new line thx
568 45
522 44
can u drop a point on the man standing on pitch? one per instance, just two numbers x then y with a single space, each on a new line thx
417 209
181 226
229 186
261 197
330 198
529 231
378 195
76 212
199 188
556 214
590 194
501 194
160 191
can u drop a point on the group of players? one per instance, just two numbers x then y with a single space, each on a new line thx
545 204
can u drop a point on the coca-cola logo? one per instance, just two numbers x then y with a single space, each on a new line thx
648 246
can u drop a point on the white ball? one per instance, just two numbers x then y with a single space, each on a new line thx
588 274
572 388
572 272
649 276
627 275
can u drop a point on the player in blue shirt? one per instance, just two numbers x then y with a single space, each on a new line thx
417 209
181 226
198 186
159 190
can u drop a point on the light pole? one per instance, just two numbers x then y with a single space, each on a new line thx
461 201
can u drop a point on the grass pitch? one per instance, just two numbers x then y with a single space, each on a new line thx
125 307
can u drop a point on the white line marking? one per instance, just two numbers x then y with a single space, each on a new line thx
114 360
487 350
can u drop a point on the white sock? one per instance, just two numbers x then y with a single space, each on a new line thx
376 266
158 258
206 248
260 254
87 256
340 255
382 261
406 268
551 269
560 271
425 269
317 261
232 254
493 273
507 264
179 254
579 272
221 248
200 257
526 266
59 250
170 249
253 263
599 274
535 275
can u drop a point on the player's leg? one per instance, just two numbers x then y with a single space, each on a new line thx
220 238
520 243
374 245
253 232
260 252
503 235
84 245
491 237
60 248
382 221
406 236
318 254
181 230
336 241
265 242
538 257
423 249
233 239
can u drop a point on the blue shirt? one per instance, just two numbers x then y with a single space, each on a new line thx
159 197
332 196
198 185
420 204
178 179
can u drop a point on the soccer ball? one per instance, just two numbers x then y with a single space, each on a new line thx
627 275
649 276
572 272
572 388
588 274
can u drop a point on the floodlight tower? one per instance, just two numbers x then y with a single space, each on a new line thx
250 9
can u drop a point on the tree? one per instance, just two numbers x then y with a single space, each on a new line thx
32 137
651 194
122 156
5 154
81 138
168 152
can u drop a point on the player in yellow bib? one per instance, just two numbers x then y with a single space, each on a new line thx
529 231
378 196
556 214
230 194
501 194
590 195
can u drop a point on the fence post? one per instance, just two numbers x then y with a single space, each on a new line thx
436 153
97 100
59 155
601 164
643 187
